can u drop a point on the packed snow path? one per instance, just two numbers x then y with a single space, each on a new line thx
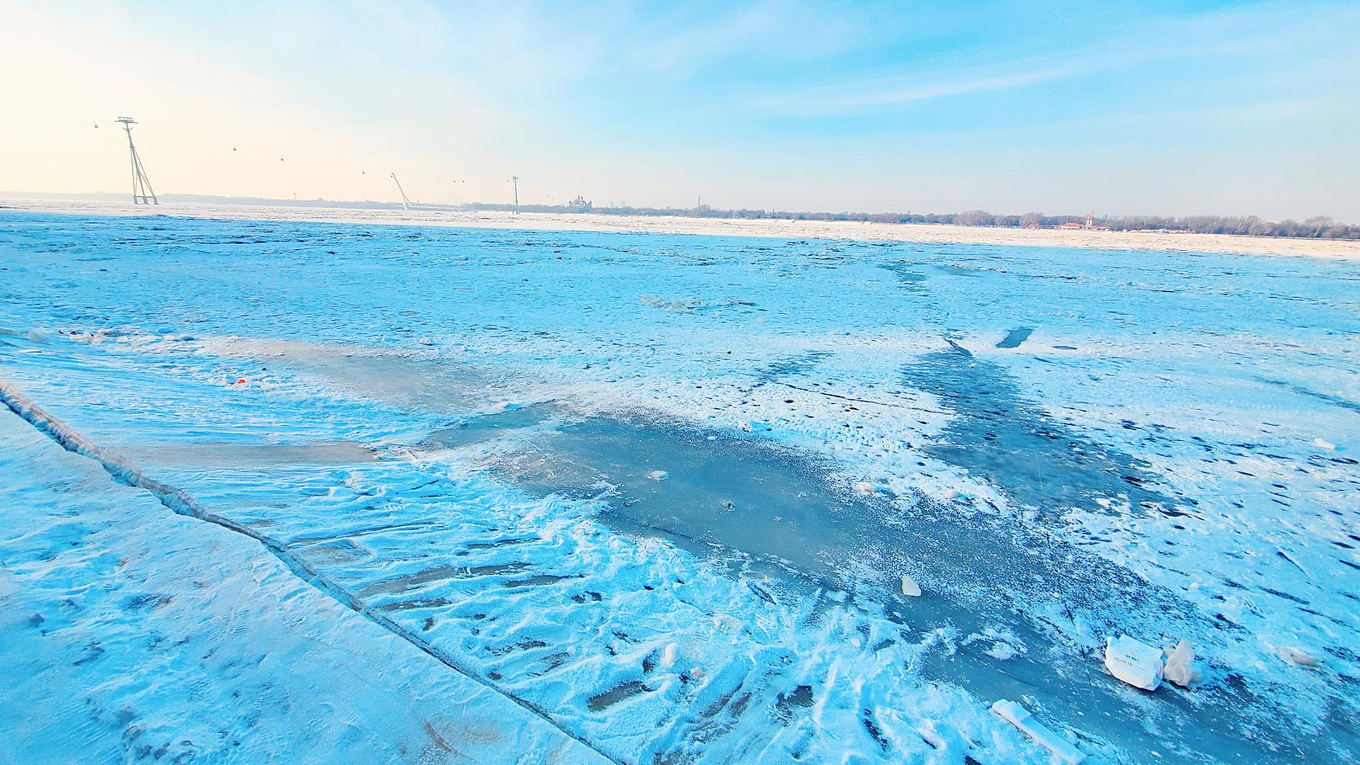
664 501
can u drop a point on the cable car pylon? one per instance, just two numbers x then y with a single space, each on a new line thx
405 203
141 185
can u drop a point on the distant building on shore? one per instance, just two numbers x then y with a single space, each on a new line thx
1088 225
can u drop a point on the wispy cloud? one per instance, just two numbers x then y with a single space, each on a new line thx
859 96
1196 45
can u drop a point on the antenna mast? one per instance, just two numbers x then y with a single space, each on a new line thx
405 203
141 185
515 180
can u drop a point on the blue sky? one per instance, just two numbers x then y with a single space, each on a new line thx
1171 108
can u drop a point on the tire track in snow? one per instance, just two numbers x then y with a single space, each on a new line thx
179 502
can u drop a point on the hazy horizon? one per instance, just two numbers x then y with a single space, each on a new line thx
1201 108
302 202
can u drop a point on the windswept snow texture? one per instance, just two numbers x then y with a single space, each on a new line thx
320 492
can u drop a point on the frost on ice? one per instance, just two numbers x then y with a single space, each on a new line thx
684 537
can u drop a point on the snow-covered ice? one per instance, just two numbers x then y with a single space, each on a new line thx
132 634
508 496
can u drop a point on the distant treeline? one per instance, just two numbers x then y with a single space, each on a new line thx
1314 228
1319 227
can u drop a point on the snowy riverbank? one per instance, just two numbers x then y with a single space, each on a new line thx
790 229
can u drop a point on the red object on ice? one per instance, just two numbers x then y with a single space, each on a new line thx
241 381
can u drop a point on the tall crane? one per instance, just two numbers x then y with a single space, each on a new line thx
141 185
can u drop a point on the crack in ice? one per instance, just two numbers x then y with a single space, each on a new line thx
180 503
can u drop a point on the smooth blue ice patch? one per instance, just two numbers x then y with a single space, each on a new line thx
1015 337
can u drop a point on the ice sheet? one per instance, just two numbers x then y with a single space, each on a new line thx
460 428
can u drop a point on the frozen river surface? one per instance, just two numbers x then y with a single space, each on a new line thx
335 492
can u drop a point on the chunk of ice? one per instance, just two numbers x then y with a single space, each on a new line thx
1322 444
910 588
1134 662
658 475
1020 717
1180 665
